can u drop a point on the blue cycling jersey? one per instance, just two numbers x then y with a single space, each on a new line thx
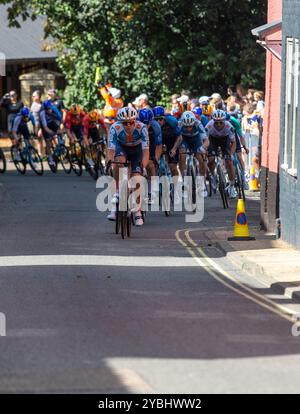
196 132
173 123
155 134
48 118
19 123
138 136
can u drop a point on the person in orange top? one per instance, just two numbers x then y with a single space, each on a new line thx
113 102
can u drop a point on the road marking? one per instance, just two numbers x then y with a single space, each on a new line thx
247 292
90 260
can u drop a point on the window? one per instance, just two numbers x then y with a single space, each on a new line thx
291 106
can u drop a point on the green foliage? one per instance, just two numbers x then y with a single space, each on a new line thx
153 46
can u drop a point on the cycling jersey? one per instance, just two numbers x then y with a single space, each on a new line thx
226 131
170 131
139 135
20 126
74 120
88 125
155 137
197 131
236 126
20 123
48 119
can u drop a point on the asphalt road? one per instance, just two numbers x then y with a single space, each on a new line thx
88 312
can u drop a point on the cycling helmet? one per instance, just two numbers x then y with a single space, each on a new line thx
219 115
47 104
158 111
93 116
188 118
198 111
204 100
145 116
25 112
127 114
75 109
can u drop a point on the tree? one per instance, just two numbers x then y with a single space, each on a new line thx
153 46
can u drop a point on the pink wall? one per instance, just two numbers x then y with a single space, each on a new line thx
271 137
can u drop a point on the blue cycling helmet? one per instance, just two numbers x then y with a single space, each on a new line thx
47 104
198 111
145 116
159 111
25 112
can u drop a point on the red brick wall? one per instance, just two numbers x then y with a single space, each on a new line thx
271 138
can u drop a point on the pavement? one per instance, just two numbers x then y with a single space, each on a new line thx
270 260
166 311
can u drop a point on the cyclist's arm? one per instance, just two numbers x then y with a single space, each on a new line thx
44 124
15 128
112 140
232 140
145 146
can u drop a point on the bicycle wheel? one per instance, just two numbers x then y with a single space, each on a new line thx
209 185
222 187
192 191
129 223
2 162
35 161
20 164
101 163
90 165
64 158
118 220
124 215
76 165
53 167
239 183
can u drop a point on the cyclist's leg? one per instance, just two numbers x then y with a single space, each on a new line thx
135 157
182 157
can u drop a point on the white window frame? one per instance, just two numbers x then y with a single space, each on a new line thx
291 106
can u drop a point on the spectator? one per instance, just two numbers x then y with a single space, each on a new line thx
13 106
35 110
233 100
250 126
174 103
260 103
141 102
53 96
194 103
241 91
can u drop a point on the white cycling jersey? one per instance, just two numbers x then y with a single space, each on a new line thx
226 131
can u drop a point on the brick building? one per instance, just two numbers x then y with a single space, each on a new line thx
270 37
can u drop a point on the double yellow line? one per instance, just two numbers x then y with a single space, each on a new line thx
224 277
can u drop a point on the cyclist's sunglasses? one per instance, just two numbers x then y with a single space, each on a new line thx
160 118
128 123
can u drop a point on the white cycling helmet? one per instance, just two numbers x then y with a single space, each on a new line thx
219 115
204 100
127 114
188 118
115 93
